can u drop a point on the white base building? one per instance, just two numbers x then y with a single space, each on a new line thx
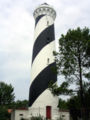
23 114
19 114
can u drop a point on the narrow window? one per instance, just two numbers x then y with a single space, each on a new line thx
63 115
21 114
47 23
48 61
48 39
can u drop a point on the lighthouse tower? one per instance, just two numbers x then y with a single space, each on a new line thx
41 100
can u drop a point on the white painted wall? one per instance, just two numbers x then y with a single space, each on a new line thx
18 114
15 115
65 115
42 25
40 62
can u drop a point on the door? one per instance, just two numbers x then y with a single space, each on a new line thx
48 112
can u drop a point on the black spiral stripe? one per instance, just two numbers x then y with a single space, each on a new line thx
38 18
43 39
41 82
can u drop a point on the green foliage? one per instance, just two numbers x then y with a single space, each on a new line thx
62 104
37 118
4 115
62 89
73 60
74 105
74 48
6 99
19 104
6 94
86 95
60 118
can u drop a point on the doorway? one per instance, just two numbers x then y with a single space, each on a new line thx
48 112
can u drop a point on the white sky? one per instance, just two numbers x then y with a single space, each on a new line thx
16 36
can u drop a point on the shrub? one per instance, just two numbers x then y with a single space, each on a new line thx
37 118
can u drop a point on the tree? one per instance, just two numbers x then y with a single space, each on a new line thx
6 94
7 101
19 104
6 98
62 104
73 60
4 115
74 104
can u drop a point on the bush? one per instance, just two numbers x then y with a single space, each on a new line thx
60 118
37 118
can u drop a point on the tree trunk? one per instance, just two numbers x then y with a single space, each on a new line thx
81 89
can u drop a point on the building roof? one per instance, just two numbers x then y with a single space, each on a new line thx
23 109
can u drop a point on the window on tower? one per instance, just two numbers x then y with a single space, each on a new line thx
21 114
48 39
47 9
47 23
47 61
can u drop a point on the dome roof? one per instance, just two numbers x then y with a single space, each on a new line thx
44 4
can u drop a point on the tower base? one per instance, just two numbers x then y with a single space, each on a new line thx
44 113
45 106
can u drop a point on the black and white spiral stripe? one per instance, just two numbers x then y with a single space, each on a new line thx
42 59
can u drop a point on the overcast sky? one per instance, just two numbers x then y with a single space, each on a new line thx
16 36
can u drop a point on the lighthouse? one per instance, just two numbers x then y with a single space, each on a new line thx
41 100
